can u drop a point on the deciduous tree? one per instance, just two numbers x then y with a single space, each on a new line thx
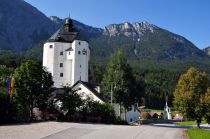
119 74
190 93
33 86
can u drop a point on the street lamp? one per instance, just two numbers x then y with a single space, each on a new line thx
112 84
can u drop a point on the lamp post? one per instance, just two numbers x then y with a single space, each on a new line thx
112 84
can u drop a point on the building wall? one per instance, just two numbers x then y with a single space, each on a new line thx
48 55
131 115
86 93
71 60
80 62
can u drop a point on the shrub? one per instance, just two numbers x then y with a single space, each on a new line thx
145 116
96 109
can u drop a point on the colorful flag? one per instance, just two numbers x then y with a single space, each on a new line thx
12 87
9 84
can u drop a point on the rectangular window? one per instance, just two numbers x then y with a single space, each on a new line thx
61 64
69 53
79 52
61 53
51 46
79 43
61 74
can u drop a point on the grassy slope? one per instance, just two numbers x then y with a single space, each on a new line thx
189 123
195 133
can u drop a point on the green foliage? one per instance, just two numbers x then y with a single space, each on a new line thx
35 53
189 123
190 93
33 86
6 111
206 101
5 72
6 108
196 133
10 58
119 73
95 109
96 71
71 101
145 116
159 86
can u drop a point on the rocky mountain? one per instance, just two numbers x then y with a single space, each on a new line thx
88 31
138 40
22 27
207 50
145 41
129 30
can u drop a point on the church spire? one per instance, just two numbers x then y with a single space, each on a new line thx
69 24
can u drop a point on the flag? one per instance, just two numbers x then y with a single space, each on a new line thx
12 87
9 84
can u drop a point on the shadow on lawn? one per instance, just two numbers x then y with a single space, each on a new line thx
177 126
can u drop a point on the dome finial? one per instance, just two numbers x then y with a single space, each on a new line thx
68 23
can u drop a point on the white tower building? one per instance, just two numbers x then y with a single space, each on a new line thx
66 56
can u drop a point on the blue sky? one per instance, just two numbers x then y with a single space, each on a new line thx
189 18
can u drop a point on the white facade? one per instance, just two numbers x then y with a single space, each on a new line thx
167 112
67 62
86 93
130 115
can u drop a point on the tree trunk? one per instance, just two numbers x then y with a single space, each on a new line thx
120 111
125 114
31 113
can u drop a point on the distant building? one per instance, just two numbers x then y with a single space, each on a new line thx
66 56
131 114
167 112
87 90
178 117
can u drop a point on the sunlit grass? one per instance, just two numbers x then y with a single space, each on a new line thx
196 133
189 123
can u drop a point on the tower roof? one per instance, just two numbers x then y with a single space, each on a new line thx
67 33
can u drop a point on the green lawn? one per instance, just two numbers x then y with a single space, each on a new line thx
154 110
196 133
189 123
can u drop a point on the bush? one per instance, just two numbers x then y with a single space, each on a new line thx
120 122
95 109
145 116
208 119
7 109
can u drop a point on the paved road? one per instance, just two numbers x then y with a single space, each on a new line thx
55 130
88 131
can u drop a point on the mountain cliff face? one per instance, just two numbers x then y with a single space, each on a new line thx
145 41
130 30
207 50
